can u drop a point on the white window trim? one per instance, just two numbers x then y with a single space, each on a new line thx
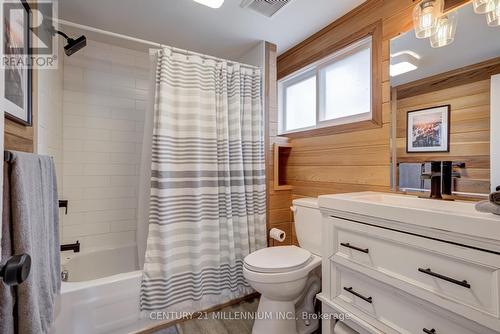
315 70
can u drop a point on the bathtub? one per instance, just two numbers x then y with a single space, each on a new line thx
101 294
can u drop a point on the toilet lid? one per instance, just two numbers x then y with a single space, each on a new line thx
277 259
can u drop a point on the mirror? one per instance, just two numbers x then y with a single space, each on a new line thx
445 109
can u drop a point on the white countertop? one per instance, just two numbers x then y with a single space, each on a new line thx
450 216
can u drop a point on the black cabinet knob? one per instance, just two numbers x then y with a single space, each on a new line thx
16 270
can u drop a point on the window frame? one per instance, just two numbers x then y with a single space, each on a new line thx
327 55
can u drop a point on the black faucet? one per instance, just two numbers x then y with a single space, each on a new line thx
435 177
74 247
441 177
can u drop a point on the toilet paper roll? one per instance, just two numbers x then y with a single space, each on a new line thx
341 328
277 234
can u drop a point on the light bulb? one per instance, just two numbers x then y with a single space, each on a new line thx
497 7
444 34
493 18
425 16
483 6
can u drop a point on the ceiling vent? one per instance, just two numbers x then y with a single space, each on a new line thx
267 8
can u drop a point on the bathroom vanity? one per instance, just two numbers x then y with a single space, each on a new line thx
402 264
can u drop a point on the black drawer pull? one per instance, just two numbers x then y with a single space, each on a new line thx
348 245
366 299
429 331
428 271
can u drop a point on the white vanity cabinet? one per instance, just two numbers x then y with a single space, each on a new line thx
397 272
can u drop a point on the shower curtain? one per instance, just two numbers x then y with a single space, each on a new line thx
208 198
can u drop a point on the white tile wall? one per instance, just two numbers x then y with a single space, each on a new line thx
49 136
48 126
104 99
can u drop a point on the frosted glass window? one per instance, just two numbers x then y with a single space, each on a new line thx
300 104
347 86
333 91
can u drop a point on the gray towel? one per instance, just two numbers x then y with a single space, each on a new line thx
7 295
34 214
488 207
495 197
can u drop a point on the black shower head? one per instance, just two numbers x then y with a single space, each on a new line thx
75 45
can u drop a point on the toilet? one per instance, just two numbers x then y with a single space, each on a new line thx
280 274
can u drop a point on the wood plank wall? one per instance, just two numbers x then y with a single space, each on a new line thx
470 131
347 162
18 137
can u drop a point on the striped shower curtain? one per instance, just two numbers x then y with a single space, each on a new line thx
207 203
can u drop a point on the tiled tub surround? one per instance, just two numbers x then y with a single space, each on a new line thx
104 101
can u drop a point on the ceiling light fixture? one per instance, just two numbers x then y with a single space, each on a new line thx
403 62
483 6
425 17
444 33
493 17
211 3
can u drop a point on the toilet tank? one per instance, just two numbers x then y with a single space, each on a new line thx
308 224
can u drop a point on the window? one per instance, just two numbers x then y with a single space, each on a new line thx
300 102
334 91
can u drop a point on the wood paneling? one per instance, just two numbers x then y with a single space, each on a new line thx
375 31
281 153
355 160
461 76
18 137
470 130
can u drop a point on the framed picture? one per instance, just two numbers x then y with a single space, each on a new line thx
428 130
17 80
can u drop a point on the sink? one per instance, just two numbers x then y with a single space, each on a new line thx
413 202
452 216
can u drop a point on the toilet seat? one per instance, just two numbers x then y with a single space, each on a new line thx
278 259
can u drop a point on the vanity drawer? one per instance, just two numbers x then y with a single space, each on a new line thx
456 274
390 308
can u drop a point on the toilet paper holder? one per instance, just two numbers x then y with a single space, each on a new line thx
277 234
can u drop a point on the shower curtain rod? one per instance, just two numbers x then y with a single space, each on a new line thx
143 41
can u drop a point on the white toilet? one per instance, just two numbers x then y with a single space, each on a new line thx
280 273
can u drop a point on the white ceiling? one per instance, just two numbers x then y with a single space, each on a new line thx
227 32
474 42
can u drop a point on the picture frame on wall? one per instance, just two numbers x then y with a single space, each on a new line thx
17 93
428 130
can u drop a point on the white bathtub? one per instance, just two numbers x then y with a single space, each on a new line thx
101 294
